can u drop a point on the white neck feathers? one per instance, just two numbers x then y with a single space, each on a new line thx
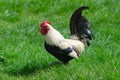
53 37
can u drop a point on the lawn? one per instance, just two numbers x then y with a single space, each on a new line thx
21 44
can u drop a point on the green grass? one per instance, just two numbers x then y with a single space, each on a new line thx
21 44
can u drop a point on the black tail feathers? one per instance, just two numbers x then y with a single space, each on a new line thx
80 26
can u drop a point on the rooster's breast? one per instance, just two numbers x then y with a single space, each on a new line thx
56 52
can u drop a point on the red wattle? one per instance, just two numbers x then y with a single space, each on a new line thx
43 31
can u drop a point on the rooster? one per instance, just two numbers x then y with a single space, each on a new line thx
67 49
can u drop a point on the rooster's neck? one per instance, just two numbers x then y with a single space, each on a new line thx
53 37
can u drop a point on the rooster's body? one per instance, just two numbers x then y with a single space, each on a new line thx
67 49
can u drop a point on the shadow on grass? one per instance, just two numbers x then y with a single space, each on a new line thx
31 69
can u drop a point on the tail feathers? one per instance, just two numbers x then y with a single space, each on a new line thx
79 25
77 18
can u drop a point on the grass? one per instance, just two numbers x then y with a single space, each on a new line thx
21 44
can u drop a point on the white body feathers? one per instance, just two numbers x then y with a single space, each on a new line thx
54 38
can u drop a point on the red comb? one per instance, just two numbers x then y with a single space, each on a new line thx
45 22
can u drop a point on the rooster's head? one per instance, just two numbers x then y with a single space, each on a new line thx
44 27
